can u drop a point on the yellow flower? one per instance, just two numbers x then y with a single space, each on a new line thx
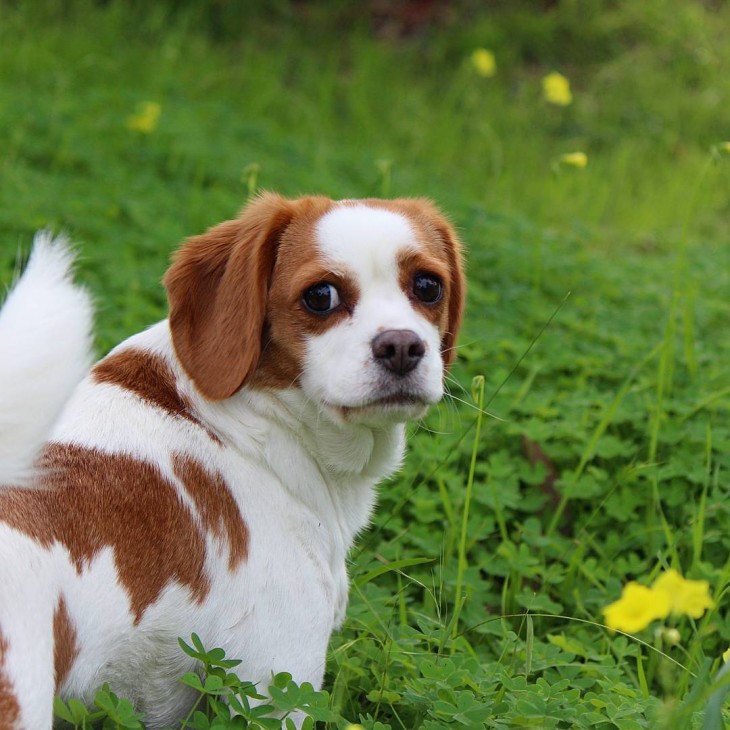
726 655
146 118
637 608
724 147
556 89
670 593
351 726
484 62
574 159
690 597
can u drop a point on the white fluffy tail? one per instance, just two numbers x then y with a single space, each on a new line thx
45 350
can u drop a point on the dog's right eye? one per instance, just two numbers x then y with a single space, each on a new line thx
321 298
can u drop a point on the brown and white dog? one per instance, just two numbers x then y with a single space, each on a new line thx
211 473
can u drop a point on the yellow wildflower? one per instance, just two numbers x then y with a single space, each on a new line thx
724 147
352 726
146 118
484 62
637 608
690 597
556 89
670 593
574 159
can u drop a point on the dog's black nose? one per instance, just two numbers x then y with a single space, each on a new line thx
398 350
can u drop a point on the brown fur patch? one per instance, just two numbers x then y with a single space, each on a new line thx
216 507
149 377
217 288
65 647
9 707
219 292
93 500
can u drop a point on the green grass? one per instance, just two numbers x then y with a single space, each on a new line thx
599 308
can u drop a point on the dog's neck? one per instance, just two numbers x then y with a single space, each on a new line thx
284 427
343 451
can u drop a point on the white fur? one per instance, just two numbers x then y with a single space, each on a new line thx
302 476
45 350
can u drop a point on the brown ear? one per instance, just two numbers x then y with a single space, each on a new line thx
431 217
217 287
457 288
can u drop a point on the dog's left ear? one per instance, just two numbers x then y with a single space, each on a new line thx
457 287
431 217
217 287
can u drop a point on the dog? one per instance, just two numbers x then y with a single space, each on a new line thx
211 473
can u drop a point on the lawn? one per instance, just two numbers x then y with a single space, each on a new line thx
586 440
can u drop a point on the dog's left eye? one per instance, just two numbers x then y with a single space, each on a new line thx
428 288
321 298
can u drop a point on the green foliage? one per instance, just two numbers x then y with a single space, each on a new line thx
108 712
226 702
595 448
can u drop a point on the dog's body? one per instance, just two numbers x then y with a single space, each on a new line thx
211 473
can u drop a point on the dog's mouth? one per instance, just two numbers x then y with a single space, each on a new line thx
396 399
390 407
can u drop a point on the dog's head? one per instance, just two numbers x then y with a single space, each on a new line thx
356 302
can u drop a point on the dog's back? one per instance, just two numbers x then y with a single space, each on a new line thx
45 350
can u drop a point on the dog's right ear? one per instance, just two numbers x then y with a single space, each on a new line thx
217 287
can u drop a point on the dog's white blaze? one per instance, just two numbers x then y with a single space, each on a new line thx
366 240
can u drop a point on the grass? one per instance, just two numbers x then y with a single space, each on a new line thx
597 322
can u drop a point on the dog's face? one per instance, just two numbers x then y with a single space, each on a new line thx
355 302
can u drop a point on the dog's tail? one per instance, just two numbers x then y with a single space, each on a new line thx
45 350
